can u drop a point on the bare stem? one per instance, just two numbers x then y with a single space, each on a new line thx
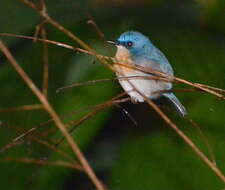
98 109
43 162
161 76
110 79
23 108
164 75
186 139
211 165
103 59
45 143
46 64
96 28
54 116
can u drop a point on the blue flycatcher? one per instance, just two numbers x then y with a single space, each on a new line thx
134 48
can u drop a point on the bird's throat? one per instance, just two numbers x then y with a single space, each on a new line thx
124 57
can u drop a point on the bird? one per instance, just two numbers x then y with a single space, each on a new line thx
134 48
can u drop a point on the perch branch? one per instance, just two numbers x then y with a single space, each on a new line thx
54 116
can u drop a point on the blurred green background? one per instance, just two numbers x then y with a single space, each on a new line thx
126 157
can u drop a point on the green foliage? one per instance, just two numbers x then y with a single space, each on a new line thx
158 162
192 37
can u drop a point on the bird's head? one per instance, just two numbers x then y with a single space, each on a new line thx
135 42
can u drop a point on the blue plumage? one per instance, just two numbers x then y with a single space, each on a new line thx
135 48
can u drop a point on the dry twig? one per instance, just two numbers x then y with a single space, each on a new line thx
186 139
23 108
160 75
88 50
44 162
98 109
54 116
96 28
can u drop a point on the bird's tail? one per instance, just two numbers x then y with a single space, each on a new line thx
176 103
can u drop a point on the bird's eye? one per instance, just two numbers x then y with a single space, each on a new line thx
129 44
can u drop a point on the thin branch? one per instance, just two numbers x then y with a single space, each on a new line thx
151 71
33 129
54 116
55 149
55 24
212 90
10 145
210 150
45 50
136 67
30 131
81 84
211 87
186 139
46 63
97 109
38 140
43 6
38 29
43 162
178 90
85 46
203 157
23 108
66 32
110 79
127 114
23 135
45 143
35 38
96 28
164 75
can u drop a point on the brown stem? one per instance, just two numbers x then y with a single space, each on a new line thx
186 139
45 143
43 162
211 165
23 108
98 109
110 79
46 64
206 88
164 75
96 28
54 116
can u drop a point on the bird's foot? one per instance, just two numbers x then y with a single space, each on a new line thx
134 100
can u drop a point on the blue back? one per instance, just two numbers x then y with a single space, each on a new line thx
143 48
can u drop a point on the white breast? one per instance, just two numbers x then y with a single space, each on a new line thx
145 86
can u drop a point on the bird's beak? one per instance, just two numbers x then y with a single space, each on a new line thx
113 42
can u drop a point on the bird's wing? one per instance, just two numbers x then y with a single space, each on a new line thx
157 60
157 64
